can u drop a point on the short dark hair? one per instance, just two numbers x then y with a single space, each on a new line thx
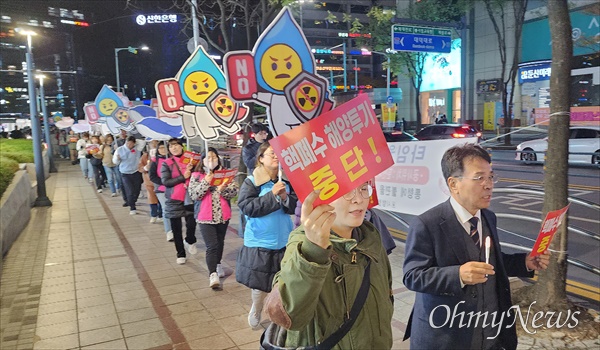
258 127
200 165
453 161
176 140
131 138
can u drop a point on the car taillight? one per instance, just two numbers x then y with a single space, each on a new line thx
457 135
478 134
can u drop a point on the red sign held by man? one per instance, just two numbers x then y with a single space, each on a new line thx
549 227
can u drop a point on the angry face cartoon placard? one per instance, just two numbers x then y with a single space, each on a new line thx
279 74
198 94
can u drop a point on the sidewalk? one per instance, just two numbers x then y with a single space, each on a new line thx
85 274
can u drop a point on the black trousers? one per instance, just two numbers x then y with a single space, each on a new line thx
214 238
190 231
132 185
99 175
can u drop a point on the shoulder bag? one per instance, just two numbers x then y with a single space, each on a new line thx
275 334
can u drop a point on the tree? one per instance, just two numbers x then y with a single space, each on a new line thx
496 10
411 64
550 290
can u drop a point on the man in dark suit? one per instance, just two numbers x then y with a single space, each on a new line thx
445 264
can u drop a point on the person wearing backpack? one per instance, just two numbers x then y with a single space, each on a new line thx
267 202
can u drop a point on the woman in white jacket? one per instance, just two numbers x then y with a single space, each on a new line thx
84 163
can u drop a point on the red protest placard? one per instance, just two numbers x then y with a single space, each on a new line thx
223 176
92 149
549 227
335 152
192 157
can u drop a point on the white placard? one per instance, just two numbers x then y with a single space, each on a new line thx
415 182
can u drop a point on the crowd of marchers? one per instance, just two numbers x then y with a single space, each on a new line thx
321 273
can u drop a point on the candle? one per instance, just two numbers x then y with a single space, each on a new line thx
487 250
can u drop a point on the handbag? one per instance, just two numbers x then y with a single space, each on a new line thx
275 334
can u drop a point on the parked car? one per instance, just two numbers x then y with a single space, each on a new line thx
448 131
398 136
584 139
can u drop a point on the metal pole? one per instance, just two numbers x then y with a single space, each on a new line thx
195 28
355 74
388 76
47 126
345 75
117 69
42 199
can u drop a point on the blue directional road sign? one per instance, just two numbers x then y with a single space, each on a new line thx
421 39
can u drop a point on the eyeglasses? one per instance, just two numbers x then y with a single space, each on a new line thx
270 155
365 191
482 179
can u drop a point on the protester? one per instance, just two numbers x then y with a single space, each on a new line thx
214 212
143 168
95 158
113 176
63 144
446 264
267 204
261 133
84 163
122 138
327 259
73 146
154 174
128 157
175 176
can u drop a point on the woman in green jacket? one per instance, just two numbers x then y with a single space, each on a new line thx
322 271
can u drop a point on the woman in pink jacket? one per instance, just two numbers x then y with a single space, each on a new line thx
215 211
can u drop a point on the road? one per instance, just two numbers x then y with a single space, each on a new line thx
584 183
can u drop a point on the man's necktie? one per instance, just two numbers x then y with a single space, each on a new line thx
474 233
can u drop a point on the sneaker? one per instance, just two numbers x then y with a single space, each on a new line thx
170 236
132 212
220 271
125 205
214 281
181 261
153 220
100 191
191 248
114 194
159 220
254 317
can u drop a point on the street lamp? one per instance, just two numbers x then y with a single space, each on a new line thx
387 55
133 50
46 124
42 199
300 3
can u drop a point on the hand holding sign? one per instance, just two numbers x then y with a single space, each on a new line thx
538 262
317 221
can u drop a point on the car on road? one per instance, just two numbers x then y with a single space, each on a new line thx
448 131
582 139
398 136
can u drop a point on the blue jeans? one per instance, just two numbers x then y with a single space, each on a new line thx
161 200
86 168
113 178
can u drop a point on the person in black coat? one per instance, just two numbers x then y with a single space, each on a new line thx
261 133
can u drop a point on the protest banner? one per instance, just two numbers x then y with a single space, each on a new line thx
549 227
92 149
335 152
415 182
223 176
190 157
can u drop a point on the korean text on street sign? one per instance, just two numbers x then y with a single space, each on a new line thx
421 39
335 152
549 227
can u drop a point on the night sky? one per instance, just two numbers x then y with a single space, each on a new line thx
112 25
